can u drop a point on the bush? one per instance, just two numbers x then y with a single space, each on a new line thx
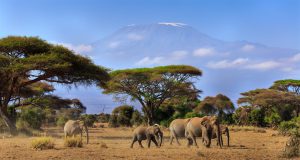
292 146
113 121
257 117
192 114
73 142
89 119
61 121
137 118
274 119
32 116
42 143
288 127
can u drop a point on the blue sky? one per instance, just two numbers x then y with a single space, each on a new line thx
79 23
272 22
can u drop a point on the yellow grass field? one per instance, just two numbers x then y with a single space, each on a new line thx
113 143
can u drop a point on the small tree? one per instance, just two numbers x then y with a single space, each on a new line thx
123 115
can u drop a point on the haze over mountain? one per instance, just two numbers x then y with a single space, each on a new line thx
228 67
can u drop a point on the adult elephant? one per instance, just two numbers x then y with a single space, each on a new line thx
150 133
76 127
177 129
202 127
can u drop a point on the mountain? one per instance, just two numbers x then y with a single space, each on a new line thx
228 67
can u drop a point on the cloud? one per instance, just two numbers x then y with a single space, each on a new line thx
295 58
178 55
266 65
135 37
202 52
172 58
81 48
248 47
174 24
227 63
146 61
114 44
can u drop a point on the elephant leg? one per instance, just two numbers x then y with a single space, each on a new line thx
177 140
190 141
133 141
149 141
194 140
154 140
140 143
171 139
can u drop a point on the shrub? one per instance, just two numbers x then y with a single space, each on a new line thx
42 143
137 118
73 142
113 121
89 119
274 119
292 146
289 127
257 117
32 116
61 121
192 114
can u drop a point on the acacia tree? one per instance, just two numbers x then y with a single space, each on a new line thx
27 60
289 85
219 104
270 100
152 86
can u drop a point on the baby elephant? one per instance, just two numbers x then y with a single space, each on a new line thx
150 133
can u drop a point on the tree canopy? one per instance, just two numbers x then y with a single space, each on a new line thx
215 105
152 86
27 60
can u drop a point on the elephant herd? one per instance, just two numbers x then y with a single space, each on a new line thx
207 127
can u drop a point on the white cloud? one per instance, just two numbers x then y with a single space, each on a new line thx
202 52
135 37
178 55
172 58
266 65
114 44
295 58
248 47
81 48
146 61
227 63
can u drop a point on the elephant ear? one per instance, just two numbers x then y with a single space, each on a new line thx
204 123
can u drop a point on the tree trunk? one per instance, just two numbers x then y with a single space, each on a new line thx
11 126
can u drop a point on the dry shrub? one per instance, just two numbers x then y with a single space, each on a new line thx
42 143
260 130
292 146
103 145
73 142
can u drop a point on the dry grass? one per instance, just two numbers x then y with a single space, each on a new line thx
114 143
42 143
73 142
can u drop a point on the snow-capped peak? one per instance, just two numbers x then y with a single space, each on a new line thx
173 24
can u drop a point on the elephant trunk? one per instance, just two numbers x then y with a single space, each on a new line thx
219 134
161 138
87 133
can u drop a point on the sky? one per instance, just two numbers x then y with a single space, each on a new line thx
79 23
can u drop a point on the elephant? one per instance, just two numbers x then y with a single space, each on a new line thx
75 127
177 129
150 133
224 130
202 127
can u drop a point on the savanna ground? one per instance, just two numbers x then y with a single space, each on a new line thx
113 143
